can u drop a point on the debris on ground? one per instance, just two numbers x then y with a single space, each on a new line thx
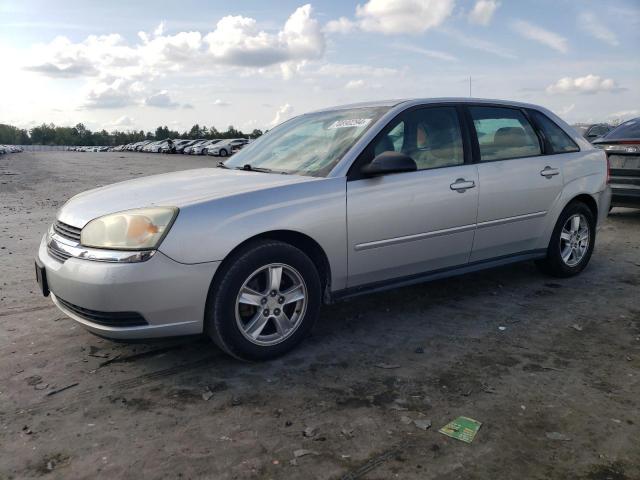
422 424
207 394
557 436
310 432
419 350
577 327
62 389
405 420
347 432
387 366
502 328
462 428
303 452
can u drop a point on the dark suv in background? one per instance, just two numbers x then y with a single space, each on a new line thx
622 145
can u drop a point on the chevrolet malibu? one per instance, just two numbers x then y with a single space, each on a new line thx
328 205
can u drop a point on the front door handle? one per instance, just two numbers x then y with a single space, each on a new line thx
461 185
549 172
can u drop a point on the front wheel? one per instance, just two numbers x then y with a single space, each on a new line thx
264 301
223 153
571 243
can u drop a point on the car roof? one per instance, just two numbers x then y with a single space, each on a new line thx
427 100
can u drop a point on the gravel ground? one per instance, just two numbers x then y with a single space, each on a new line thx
551 368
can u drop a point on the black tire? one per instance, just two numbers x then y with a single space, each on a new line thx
553 264
223 153
220 314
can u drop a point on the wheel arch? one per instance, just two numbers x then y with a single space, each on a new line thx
304 242
588 200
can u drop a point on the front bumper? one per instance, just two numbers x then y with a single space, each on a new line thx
170 296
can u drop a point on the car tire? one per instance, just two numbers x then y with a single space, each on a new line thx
223 153
568 252
265 324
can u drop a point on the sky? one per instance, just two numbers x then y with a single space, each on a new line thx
138 64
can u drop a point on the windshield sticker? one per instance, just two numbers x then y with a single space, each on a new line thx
354 122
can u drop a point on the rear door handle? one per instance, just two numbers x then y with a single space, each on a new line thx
549 172
461 185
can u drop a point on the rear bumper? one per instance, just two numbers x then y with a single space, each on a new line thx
168 295
625 194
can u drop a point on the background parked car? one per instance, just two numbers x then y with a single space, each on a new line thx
204 147
224 147
622 145
188 150
596 131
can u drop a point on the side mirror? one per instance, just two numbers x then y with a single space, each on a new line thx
390 162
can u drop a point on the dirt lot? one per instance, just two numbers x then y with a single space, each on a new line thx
551 367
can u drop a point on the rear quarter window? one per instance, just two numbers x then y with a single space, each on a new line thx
558 140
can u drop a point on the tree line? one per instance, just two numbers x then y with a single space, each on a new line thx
50 134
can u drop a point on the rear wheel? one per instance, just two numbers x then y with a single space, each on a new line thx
264 301
571 243
223 152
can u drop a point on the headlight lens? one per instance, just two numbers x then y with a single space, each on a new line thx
140 229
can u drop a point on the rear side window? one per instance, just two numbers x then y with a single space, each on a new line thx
560 142
504 133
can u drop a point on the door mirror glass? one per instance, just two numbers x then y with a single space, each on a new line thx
389 162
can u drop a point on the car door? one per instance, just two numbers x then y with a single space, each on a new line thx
408 223
518 184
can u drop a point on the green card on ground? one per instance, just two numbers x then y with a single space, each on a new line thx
462 428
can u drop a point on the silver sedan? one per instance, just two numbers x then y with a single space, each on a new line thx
327 205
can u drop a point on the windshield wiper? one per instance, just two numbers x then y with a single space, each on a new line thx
221 165
247 167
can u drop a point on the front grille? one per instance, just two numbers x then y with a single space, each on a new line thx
58 255
67 231
108 319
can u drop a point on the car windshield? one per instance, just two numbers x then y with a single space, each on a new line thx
625 131
310 144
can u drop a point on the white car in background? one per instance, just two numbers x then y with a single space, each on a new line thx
224 148
203 148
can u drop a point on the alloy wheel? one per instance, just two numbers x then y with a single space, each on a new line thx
574 239
271 304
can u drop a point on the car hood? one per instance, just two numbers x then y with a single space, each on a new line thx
177 189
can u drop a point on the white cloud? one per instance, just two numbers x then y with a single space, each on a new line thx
160 100
238 41
540 35
342 25
120 122
354 84
590 23
159 29
435 54
476 43
483 11
283 113
392 17
221 103
587 84
117 93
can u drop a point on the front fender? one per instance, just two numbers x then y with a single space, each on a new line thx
208 231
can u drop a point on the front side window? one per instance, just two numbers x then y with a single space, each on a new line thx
430 136
504 133
560 142
310 144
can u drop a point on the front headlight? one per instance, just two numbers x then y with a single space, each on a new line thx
140 229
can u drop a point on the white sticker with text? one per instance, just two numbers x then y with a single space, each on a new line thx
354 122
